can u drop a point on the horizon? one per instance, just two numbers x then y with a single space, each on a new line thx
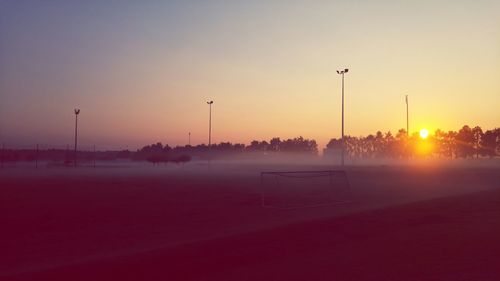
422 136
142 73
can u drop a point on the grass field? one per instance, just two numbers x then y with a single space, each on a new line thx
201 222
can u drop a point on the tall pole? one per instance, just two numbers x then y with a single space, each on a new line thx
342 72
407 118
210 126
343 143
189 139
77 111
210 123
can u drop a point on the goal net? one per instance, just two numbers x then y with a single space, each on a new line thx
302 189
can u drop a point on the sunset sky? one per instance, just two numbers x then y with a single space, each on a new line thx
142 71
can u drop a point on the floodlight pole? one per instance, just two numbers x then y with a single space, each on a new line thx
407 118
210 123
77 111
342 72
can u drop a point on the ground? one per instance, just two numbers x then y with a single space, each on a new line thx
200 222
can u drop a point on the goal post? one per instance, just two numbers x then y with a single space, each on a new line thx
303 189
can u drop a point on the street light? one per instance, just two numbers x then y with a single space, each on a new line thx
77 111
210 123
407 118
342 72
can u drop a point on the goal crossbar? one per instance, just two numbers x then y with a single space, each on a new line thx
305 175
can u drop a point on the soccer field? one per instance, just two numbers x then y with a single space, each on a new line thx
207 223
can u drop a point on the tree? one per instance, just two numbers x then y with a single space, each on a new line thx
351 146
490 143
300 145
401 145
477 133
274 144
334 144
368 146
390 145
451 143
465 142
258 146
154 153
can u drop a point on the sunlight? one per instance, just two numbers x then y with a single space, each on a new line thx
424 133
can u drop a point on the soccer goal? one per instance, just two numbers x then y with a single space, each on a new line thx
304 189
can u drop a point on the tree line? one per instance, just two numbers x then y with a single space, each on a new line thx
468 142
158 152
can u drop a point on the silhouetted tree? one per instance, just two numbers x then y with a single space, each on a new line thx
334 144
154 153
465 142
351 146
441 144
451 143
389 145
401 144
258 146
274 144
490 143
477 134
299 145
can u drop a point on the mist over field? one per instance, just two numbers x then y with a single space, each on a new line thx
139 220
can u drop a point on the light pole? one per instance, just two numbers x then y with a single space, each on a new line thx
342 72
189 139
210 123
407 118
77 111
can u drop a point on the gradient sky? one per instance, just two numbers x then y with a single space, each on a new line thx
141 71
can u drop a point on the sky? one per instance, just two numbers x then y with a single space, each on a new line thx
142 71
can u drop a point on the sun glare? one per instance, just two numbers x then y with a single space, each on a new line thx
424 133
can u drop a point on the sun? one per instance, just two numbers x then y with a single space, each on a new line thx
424 133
